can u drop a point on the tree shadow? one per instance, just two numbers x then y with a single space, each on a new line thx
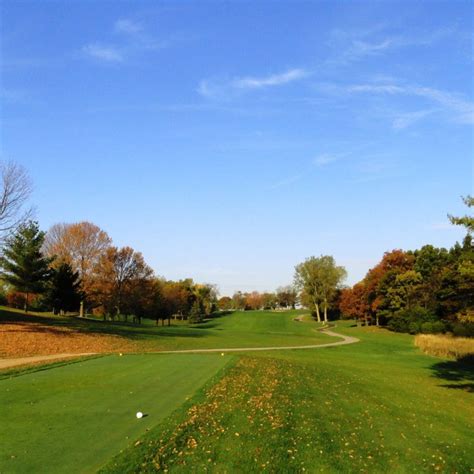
459 372
63 326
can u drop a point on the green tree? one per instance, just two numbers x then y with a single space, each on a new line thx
63 291
195 314
403 290
466 221
318 278
24 266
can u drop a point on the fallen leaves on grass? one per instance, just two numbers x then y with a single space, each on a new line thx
23 339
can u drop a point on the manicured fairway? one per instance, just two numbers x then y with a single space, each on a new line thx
75 417
375 406
238 329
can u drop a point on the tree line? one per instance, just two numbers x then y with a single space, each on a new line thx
285 297
426 290
75 268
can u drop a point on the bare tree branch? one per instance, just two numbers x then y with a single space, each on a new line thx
15 190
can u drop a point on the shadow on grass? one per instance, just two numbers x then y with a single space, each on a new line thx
63 325
459 372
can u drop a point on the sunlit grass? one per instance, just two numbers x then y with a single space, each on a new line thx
376 406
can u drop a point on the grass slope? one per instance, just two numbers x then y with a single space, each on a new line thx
239 329
376 406
74 417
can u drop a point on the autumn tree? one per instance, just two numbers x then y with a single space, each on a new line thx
353 303
318 278
225 303
81 245
238 300
253 300
24 265
286 296
121 272
178 297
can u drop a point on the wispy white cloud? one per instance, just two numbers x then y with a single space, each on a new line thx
225 88
325 158
127 26
101 52
359 49
354 45
132 41
454 103
404 120
272 80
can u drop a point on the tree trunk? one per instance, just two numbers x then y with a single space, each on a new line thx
325 312
317 313
377 320
81 309
26 302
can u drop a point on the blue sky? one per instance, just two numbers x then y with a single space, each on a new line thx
229 141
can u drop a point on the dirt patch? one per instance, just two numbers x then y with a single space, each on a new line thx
21 339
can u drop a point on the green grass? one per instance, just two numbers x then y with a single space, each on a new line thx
376 406
74 417
239 329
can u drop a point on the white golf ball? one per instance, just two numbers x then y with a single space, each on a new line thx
139 414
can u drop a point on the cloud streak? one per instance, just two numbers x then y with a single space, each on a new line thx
463 109
325 159
273 80
127 26
132 41
357 45
108 54
223 89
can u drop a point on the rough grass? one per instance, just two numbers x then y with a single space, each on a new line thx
445 346
376 406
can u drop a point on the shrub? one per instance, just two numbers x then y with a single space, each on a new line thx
412 320
445 346
398 324
463 329
434 327
438 327
415 327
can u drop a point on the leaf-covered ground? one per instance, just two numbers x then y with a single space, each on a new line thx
28 335
362 408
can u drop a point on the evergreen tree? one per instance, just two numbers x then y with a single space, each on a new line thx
195 315
63 292
24 266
